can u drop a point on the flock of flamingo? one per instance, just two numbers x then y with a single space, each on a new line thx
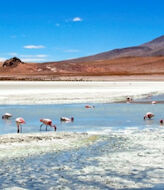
148 115
48 122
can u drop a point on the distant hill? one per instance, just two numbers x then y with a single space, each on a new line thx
152 48
143 62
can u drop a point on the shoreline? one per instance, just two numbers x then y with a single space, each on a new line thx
32 144
89 78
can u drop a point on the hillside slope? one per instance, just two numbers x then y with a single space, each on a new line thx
144 60
152 48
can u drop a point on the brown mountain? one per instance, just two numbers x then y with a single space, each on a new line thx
145 61
152 48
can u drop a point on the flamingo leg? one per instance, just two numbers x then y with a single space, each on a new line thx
41 126
17 128
46 127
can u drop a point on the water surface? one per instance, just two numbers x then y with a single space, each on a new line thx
123 160
104 117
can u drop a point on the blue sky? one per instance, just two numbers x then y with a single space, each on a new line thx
51 30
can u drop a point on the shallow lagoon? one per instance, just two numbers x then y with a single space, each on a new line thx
129 157
104 117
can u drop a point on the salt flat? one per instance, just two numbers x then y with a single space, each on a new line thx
18 92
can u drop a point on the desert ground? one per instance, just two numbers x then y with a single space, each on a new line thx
126 68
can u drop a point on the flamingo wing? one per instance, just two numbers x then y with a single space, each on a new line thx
20 120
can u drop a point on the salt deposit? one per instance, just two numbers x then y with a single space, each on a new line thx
74 92
129 159
22 145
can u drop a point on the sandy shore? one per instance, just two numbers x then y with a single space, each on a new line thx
74 92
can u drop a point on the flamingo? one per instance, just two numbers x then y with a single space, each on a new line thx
47 122
129 99
154 102
89 106
161 121
148 115
6 116
19 121
66 119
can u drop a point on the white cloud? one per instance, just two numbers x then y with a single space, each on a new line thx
42 55
2 59
71 51
34 46
13 54
34 56
57 24
33 60
77 19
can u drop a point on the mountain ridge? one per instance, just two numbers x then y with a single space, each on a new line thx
145 61
154 47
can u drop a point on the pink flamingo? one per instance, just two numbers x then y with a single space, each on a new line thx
66 119
47 122
154 102
148 115
6 116
89 106
129 99
19 121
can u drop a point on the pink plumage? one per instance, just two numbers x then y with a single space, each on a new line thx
20 120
